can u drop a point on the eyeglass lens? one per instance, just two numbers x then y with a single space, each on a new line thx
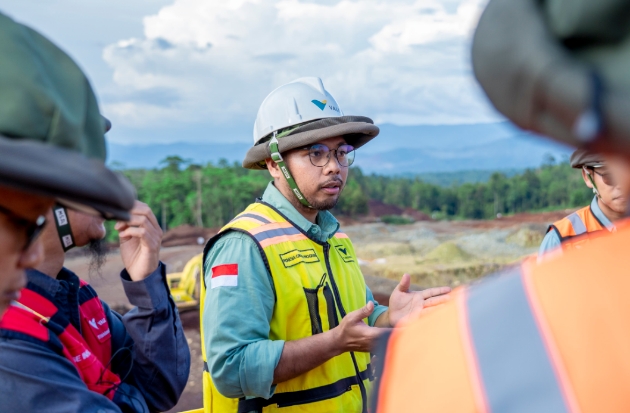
320 155
607 178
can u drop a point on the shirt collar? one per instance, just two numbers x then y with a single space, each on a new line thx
326 227
48 284
597 211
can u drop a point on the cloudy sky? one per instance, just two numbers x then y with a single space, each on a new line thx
196 70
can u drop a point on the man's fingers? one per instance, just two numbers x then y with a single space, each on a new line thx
433 301
142 212
404 284
137 232
361 313
433 292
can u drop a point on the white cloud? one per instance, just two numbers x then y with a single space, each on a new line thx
397 61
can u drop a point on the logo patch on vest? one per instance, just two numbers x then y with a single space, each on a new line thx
294 257
344 253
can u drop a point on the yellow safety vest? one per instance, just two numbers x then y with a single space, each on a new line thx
316 284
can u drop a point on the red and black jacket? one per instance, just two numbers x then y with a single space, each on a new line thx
35 318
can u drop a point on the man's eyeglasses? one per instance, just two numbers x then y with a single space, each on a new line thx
320 155
32 229
607 178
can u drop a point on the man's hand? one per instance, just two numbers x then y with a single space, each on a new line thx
140 241
403 302
352 334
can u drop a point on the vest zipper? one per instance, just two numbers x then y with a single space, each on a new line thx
343 314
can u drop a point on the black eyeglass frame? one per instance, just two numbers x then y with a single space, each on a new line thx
33 229
350 161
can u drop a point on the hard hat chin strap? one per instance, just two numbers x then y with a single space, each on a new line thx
63 227
277 158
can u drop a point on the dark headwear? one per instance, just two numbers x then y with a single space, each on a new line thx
51 130
582 157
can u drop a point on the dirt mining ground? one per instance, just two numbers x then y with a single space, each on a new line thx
433 252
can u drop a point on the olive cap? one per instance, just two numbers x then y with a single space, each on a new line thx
582 157
51 130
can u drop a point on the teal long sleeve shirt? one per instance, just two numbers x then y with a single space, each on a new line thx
552 242
236 319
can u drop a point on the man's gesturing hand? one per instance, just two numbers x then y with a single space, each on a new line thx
403 302
140 241
352 334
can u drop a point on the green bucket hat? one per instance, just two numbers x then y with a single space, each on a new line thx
51 130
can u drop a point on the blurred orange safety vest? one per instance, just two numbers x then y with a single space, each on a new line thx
553 337
579 223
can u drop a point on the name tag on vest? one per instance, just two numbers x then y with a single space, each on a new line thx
295 257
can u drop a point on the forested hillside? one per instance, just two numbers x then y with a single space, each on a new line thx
210 195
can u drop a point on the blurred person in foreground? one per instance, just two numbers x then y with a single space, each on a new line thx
61 348
287 318
608 206
554 336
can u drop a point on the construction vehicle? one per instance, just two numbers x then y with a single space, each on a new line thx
184 285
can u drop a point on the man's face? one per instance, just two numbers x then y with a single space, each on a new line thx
320 185
609 190
619 167
14 256
86 228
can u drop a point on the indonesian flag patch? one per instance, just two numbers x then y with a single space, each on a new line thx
225 275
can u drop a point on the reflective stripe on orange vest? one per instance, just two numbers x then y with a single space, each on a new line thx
548 337
580 222
535 388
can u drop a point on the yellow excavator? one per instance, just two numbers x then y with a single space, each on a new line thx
184 285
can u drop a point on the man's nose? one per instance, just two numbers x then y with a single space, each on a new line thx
333 166
32 256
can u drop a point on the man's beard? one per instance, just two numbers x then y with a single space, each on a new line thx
98 252
324 205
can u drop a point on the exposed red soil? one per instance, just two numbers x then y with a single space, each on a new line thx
187 235
545 218
378 209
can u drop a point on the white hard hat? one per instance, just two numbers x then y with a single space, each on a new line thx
301 113
300 101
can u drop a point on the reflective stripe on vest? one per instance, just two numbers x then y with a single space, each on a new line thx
578 225
523 378
35 317
321 282
580 222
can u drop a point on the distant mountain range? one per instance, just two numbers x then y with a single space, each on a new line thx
397 150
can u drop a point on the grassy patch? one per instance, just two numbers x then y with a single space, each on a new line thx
396 220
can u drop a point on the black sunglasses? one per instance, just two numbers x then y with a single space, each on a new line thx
32 229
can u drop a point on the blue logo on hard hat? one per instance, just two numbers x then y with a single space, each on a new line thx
321 105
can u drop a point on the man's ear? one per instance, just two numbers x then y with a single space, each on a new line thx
585 176
273 169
